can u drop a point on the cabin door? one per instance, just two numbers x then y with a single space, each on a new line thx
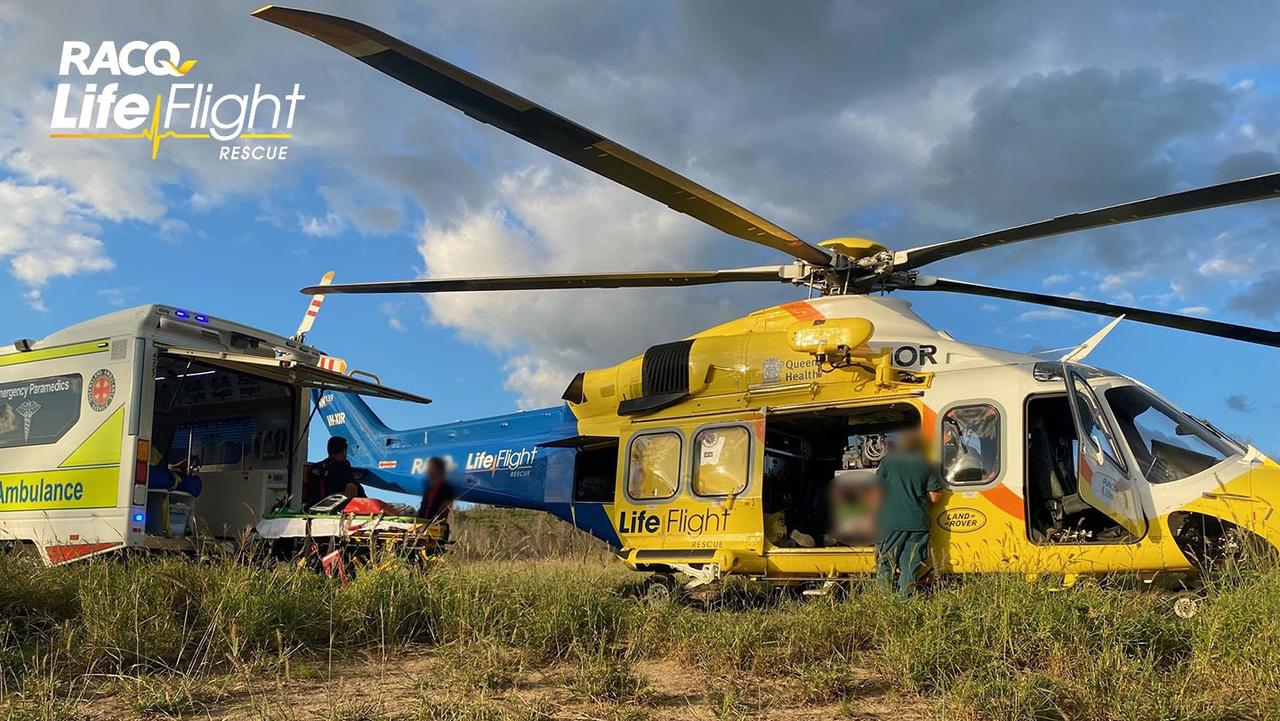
1106 481
691 489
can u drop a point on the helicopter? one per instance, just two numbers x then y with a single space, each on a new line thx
730 452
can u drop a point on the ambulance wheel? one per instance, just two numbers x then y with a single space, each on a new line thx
659 588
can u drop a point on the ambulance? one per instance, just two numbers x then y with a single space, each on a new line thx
152 427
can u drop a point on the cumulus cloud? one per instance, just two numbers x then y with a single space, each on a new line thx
379 158
543 224
46 233
391 311
1224 266
1043 314
321 227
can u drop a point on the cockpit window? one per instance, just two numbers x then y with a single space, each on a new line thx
1167 444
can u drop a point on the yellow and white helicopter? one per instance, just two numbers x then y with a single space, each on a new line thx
734 450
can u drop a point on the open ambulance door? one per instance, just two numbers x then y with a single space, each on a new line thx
1106 481
295 373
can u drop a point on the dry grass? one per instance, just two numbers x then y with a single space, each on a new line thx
474 636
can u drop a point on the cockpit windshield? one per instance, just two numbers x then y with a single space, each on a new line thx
1167 444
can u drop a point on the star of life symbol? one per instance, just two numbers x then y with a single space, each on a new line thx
27 410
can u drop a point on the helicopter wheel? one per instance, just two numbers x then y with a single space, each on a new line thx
1186 605
832 590
659 588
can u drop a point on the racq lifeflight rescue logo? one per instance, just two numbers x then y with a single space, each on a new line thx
97 107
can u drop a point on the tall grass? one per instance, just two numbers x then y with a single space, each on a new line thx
989 647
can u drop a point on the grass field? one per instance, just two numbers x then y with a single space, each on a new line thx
487 634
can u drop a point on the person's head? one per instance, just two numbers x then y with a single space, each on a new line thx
435 468
909 439
338 448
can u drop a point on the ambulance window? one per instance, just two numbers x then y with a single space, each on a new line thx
654 466
37 411
971 445
720 461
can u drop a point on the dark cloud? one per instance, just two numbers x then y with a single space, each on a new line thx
1239 403
1261 298
1072 141
1247 165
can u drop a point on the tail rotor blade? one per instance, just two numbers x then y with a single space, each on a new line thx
317 298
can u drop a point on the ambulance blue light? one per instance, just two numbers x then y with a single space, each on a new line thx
202 318
138 518
181 313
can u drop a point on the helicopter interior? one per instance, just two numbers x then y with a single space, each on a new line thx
1056 514
594 470
819 470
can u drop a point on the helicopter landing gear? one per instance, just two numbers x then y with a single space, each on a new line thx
659 588
1186 605
832 589
699 576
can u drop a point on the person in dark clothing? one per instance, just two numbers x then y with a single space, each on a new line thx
334 474
909 484
436 495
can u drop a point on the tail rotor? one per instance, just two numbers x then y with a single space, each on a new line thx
309 318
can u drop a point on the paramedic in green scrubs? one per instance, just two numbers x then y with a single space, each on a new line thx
909 484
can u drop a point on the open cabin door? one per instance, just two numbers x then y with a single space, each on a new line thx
295 373
1106 481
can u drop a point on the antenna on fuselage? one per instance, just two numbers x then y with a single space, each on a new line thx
1079 352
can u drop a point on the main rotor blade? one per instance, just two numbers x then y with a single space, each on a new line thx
1213 196
1153 317
647 279
533 123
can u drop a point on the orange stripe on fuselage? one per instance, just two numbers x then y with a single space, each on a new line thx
1007 501
802 311
929 423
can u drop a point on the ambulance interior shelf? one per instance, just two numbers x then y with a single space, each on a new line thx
819 471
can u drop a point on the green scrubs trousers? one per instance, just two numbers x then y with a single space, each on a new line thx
899 556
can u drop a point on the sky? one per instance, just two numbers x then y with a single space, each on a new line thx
909 123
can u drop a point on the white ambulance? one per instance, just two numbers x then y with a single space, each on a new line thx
91 414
